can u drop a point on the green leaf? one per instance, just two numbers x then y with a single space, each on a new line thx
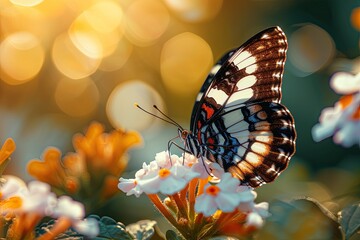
300 219
349 219
110 229
142 230
171 235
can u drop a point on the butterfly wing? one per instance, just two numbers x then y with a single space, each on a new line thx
249 78
254 142
209 79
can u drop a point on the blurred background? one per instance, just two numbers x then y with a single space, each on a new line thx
66 63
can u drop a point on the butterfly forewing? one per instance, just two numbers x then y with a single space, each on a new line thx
238 117
252 73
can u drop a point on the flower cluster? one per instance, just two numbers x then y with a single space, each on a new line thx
22 207
201 199
91 173
343 120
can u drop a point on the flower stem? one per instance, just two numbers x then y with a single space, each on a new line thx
160 206
60 226
202 183
220 222
191 196
182 206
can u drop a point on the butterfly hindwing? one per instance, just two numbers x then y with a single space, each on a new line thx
238 117
253 142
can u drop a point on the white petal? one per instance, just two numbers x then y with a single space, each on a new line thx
247 196
228 183
201 170
216 170
88 227
227 202
126 185
150 185
172 185
70 208
254 219
12 186
321 131
262 209
205 204
349 134
345 83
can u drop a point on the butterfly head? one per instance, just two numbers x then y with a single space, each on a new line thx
183 133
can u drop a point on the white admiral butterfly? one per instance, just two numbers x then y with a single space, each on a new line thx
237 120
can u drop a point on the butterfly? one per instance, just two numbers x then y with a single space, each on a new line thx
237 119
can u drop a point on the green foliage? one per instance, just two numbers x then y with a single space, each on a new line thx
171 235
349 219
109 229
300 219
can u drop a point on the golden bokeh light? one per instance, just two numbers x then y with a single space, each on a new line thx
77 98
70 61
195 10
185 61
118 58
21 56
120 108
310 49
97 31
105 16
146 21
355 18
26 3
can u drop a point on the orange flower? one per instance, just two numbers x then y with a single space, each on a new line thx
90 173
50 169
6 150
106 150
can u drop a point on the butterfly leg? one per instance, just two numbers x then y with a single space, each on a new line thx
171 143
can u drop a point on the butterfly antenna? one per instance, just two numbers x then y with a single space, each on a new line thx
169 118
165 120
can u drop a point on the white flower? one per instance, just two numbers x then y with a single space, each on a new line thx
66 207
167 181
188 159
130 187
163 159
343 120
12 186
38 198
206 168
345 83
262 209
223 196
254 219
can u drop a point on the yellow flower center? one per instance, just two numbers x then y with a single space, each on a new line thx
213 190
163 173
